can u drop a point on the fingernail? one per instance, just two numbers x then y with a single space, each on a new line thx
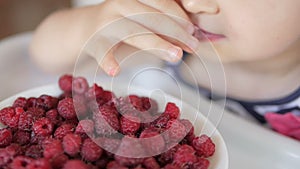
173 53
112 71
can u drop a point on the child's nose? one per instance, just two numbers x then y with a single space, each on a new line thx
201 6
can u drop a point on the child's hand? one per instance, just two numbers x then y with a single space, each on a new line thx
115 22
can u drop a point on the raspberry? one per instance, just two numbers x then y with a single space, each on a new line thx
5 137
130 156
63 130
129 124
10 116
65 83
34 151
151 163
25 121
14 150
66 108
59 161
185 156
5 157
48 102
94 92
153 142
53 116
42 127
189 129
105 97
136 102
172 110
21 137
78 164
71 144
115 165
39 164
80 85
171 166
149 105
167 157
20 102
109 144
204 146
175 132
21 162
52 148
201 163
106 120
90 151
161 121
85 126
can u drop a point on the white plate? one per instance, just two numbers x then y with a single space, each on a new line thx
218 161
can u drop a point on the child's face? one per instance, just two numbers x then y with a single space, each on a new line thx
249 29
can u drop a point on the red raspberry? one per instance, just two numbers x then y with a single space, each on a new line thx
172 110
48 102
36 112
43 127
185 156
149 105
129 124
167 157
189 129
85 126
25 121
71 144
66 108
52 148
10 116
201 163
5 157
80 85
105 97
5 137
63 130
78 164
106 120
115 165
110 145
39 164
21 162
20 102
204 146
136 102
21 137
34 151
65 83
94 92
151 163
175 131
130 157
53 116
90 151
153 141
14 150
59 161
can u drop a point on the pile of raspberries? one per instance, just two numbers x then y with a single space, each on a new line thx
87 127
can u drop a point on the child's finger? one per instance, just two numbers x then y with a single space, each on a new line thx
109 64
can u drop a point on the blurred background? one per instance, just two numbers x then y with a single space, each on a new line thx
24 15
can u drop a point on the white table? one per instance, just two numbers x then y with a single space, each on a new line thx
250 146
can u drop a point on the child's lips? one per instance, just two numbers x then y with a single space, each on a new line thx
203 35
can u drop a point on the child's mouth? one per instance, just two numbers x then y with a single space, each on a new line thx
203 35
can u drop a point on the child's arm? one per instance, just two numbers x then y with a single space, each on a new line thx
60 37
